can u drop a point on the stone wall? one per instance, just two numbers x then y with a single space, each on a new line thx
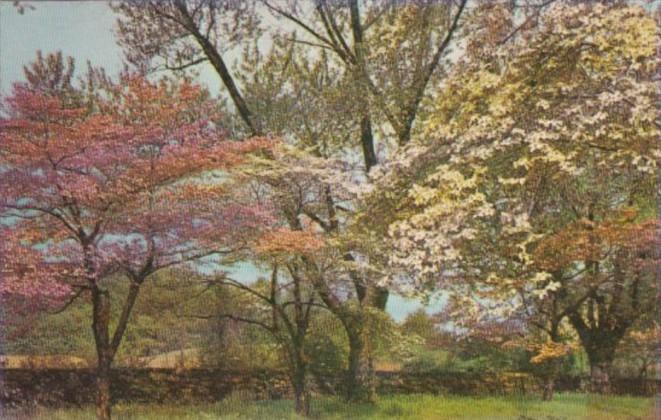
62 387
77 386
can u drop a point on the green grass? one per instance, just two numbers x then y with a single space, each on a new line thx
418 407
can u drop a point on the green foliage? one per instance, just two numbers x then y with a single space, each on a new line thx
40 334
159 324
386 338
327 345
291 93
232 344
428 360
421 324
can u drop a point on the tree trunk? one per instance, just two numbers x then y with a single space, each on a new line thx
217 62
377 297
380 297
600 377
100 327
600 356
554 364
599 342
549 388
103 390
301 393
367 142
360 382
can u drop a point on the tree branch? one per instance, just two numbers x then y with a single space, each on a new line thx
405 134
186 65
71 300
122 323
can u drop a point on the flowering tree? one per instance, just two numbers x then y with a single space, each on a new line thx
535 185
121 185
311 198
304 88
283 304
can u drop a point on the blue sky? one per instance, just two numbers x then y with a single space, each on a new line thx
81 29
84 30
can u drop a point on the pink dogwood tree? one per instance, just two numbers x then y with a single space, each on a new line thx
128 180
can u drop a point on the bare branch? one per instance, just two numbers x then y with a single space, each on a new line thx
71 300
186 65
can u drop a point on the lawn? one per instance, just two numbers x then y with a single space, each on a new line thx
418 407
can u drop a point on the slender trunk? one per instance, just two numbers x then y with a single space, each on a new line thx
217 62
421 84
301 393
548 385
377 297
366 135
367 142
302 397
360 381
103 390
642 372
219 65
549 388
100 327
